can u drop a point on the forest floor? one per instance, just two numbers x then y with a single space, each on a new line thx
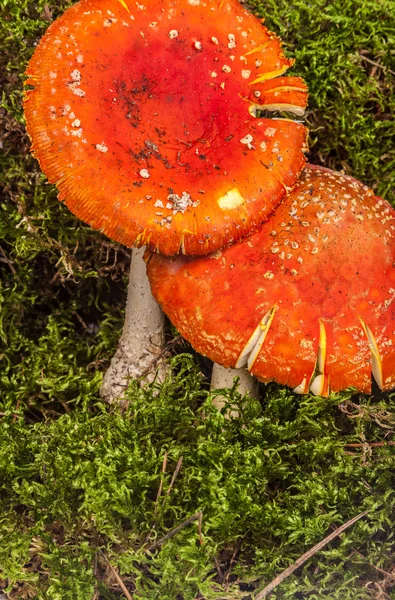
80 513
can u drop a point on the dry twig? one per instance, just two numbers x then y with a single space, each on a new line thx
232 561
158 495
305 557
16 416
375 64
9 263
160 489
118 578
370 444
196 517
176 471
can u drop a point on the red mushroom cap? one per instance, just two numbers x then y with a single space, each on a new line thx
307 301
143 115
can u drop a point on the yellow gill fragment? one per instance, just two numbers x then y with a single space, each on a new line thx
321 352
286 88
377 368
270 75
257 49
250 352
139 241
318 384
124 5
181 246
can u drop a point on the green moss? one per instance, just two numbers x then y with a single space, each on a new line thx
79 481
352 101
268 485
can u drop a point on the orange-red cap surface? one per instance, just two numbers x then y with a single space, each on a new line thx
307 301
143 115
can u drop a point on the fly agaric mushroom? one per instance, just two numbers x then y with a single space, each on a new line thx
307 301
145 118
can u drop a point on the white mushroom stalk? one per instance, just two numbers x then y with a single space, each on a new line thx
224 378
140 350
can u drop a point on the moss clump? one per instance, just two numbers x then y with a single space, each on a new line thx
79 481
83 488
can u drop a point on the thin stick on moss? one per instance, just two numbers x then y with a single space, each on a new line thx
118 578
200 524
9 263
176 471
306 556
3 414
370 444
375 64
160 490
196 517
158 495
232 561
375 567
169 489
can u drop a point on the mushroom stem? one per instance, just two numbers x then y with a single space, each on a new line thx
223 378
139 350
